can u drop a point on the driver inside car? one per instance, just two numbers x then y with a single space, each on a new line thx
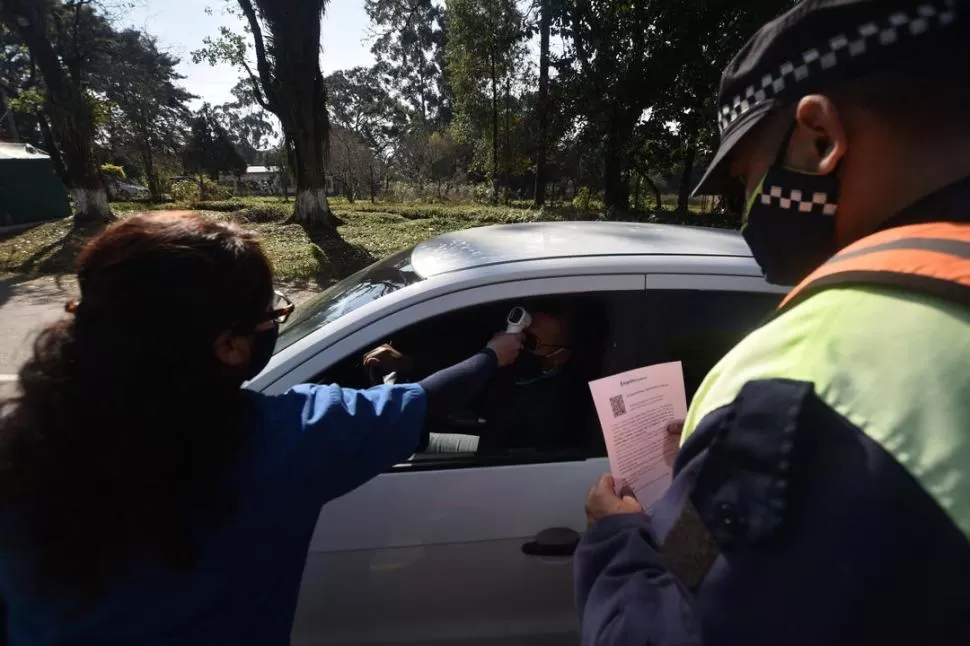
539 403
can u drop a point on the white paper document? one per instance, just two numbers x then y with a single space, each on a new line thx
634 409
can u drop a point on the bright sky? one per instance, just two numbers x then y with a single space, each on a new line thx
181 25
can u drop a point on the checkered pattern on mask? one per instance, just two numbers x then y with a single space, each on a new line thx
798 200
840 48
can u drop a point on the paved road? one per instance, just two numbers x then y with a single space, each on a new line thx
25 307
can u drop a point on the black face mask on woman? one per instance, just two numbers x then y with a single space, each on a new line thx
264 342
789 221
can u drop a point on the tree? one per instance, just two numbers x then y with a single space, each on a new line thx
148 108
707 35
70 109
286 40
543 105
352 161
617 66
360 104
209 150
409 48
485 45
252 128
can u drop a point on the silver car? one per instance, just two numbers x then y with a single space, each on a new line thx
452 548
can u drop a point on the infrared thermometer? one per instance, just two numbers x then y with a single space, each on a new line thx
517 321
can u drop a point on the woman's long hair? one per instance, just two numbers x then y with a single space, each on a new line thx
126 418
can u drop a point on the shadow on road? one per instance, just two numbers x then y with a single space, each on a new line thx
8 288
57 257
39 291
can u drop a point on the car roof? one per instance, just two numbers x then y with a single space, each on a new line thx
492 245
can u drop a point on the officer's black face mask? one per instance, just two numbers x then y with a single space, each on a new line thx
789 221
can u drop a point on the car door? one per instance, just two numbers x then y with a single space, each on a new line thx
433 553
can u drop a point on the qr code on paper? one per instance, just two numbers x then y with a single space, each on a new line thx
616 403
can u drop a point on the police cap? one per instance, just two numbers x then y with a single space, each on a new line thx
822 43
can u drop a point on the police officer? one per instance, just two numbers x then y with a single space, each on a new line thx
822 492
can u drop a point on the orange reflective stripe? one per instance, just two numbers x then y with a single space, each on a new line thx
948 230
920 255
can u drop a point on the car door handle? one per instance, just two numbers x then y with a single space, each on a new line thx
555 541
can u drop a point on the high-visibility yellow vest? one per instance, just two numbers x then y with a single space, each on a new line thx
883 332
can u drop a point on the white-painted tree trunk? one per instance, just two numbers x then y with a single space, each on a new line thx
312 208
91 204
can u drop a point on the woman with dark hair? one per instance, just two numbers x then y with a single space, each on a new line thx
144 496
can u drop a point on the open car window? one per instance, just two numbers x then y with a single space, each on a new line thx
514 421
350 294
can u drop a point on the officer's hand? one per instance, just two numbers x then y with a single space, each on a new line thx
506 347
384 360
603 501
672 441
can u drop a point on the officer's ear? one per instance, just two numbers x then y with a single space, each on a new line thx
819 141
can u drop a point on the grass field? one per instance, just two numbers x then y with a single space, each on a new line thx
368 232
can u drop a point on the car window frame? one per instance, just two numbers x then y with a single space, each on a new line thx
461 298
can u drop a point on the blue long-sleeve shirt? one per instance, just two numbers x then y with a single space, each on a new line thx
303 449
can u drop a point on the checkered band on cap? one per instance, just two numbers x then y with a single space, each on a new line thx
799 200
839 49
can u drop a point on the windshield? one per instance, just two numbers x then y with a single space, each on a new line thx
348 295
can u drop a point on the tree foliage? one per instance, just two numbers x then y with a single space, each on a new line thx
484 54
131 105
209 150
253 129
148 110
409 46
609 99
64 42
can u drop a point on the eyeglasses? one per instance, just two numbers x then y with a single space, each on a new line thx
531 343
281 310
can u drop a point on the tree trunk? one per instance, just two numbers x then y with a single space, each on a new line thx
616 193
72 123
494 130
372 184
51 149
508 136
545 26
310 128
616 190
690 153
9 114
154 187
294 90
656 192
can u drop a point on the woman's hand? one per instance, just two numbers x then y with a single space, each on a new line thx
506 347
603 501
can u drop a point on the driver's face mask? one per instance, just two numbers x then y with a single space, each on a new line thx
789 221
